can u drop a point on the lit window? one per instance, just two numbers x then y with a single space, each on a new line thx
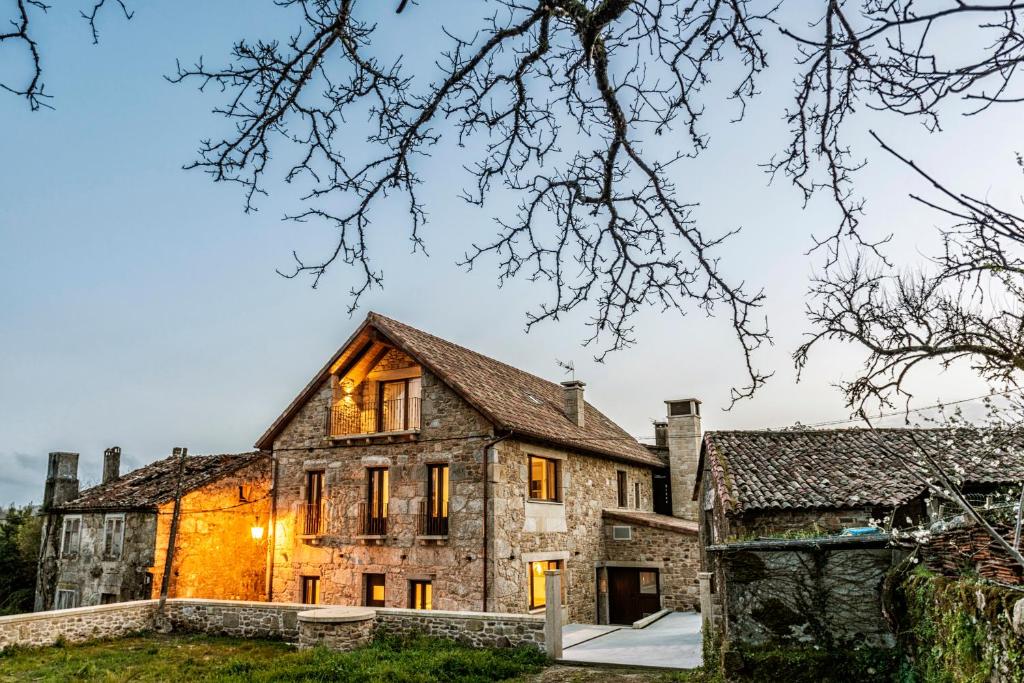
374 590
648 583
538 581
436 521
71 538
421 595
377 496
113 536
544 479
311 590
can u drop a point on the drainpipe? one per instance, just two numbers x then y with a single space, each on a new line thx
487 488
272 530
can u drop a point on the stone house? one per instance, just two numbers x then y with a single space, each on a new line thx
109 542
413 472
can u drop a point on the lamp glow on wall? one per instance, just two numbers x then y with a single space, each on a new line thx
257 530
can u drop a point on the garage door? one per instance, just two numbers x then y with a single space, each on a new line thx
632 594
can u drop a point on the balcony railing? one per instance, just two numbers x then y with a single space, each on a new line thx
431 524
312 519
394 416
370 523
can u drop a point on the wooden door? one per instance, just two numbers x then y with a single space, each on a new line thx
632 594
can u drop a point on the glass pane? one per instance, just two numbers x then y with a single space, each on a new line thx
378 592
384 496
649 583
537 584
428 597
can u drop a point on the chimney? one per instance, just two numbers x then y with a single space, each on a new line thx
574 401
111 464
683 438
661 433
61 479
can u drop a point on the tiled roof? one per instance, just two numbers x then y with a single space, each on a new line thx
847 468
651 519
513 400
152 485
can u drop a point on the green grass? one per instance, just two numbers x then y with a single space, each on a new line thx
204 658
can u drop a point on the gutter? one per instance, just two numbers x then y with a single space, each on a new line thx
487 488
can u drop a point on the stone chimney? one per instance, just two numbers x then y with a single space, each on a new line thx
661 434
574 409
61 479
111 464
683 437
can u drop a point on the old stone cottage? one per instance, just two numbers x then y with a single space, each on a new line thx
109 543
409 472
413 472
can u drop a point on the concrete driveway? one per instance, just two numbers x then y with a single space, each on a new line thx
672 642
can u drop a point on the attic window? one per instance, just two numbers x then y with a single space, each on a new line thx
534 399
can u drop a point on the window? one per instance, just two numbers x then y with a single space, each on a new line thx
648 582
113 536
66 598
108 598
376 501
636 495
421 595
538 581
544 479
436 522
71 537
313 519
620 477
399 403
374 592
311 590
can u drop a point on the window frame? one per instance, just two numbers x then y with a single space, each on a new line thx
313 519
637 490
77 537
73 592
310 582
622 488
107 545
554 474
550 564
428 593
406 422
369 582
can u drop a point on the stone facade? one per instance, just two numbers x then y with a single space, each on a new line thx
239 619
675 555
470 628
215 554
76 625
92 575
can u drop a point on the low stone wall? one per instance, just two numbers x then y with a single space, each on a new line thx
476 629
77 625
240 619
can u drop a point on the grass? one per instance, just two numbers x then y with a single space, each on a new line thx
204 658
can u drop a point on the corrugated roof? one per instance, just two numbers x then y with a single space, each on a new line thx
847 468
513 400
150 486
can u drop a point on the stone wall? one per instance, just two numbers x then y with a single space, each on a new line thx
76 625
571 531
89 572
451 432
676 556
240 619
215 555
477 629
814 593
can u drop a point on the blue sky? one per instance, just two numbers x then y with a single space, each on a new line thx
139 306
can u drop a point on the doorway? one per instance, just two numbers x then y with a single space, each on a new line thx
633 593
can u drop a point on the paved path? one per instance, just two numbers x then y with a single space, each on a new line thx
674 641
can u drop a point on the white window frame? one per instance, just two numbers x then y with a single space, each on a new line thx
70 594
77 539
107 519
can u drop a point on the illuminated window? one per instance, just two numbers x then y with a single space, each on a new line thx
377 496
313 519
421 595
437 500
113 536
374 590
538 581
71 537
648 583
544 479
399 405
620 480
311 590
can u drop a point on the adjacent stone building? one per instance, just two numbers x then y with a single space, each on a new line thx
413 472
109 543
